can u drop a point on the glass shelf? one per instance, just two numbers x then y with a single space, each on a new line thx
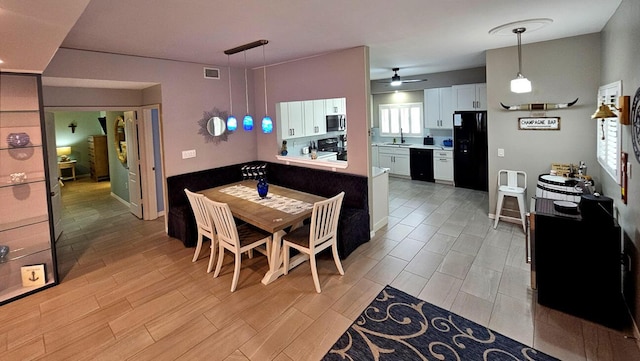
25 227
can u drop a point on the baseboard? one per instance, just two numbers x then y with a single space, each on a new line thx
381 223
120 199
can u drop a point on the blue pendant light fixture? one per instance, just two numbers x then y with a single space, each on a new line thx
267 123
247 122
232 122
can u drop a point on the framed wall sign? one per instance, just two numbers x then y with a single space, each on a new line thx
543 123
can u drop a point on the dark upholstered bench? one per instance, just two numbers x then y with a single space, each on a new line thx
353 227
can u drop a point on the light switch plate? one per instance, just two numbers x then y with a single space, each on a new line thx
188 154
500 152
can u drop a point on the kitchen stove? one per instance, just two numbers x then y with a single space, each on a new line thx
332 145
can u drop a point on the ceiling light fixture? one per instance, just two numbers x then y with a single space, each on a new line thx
395 79
247 121
267 123
232 122
520 84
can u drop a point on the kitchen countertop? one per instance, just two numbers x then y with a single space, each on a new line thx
411 145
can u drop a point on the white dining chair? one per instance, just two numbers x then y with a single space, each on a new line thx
205 226
512 183
234 238
317 236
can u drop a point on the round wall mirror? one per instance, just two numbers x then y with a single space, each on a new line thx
216 126
213 126
120 140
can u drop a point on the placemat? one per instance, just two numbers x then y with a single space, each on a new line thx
281 203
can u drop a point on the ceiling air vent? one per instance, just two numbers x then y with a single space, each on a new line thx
211 73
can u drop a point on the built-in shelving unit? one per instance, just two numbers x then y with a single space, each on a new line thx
25 229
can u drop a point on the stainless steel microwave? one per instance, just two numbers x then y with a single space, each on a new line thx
336 122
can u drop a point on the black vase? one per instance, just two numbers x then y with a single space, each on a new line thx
263 187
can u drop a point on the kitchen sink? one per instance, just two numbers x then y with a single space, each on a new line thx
399 144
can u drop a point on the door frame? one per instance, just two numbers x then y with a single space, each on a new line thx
146 131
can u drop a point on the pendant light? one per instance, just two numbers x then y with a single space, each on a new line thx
520 84
267 123
232 122
247 122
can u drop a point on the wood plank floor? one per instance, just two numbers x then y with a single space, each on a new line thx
130 292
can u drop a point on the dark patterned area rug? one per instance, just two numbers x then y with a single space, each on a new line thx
398 326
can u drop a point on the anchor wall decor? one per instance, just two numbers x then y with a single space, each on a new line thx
539 106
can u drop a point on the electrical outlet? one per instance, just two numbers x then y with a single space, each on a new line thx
188 154
500 152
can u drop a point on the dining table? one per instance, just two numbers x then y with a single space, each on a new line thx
283 209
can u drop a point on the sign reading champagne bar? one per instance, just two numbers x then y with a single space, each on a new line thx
552 123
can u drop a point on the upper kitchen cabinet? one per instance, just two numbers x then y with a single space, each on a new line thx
315 121
27 256
336 106
306 118
469 97
291 117
437 108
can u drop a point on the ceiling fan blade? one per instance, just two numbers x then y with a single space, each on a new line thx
413 80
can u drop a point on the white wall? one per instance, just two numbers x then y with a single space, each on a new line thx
560 71
621 61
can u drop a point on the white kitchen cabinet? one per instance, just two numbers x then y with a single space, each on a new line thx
375 162
437 108
335 106
315 121
443 165
291 117
396 159
469 97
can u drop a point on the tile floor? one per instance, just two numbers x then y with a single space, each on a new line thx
128 291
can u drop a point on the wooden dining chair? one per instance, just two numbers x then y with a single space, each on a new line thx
317 236
234 238
205 226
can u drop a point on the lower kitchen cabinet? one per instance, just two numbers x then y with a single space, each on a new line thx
374 156
443 165
396 159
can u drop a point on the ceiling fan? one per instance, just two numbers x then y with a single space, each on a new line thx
397 81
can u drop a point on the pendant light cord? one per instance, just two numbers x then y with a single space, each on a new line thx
230 99
246 86
264 63
519 32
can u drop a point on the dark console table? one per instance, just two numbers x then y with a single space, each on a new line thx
577 263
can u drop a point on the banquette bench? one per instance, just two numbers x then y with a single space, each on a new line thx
353 227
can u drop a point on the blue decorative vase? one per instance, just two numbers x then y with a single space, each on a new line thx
263 187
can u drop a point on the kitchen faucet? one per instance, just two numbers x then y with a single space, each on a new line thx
401 137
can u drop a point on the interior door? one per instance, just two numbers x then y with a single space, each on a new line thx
133 163
151 162
54 183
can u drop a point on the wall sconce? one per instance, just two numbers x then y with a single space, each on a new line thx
63 153
73 126
604 111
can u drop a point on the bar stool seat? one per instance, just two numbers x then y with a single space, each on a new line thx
511 183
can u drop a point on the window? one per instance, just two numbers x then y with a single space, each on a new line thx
608 146
406 117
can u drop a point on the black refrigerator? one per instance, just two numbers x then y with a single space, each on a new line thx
470 169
